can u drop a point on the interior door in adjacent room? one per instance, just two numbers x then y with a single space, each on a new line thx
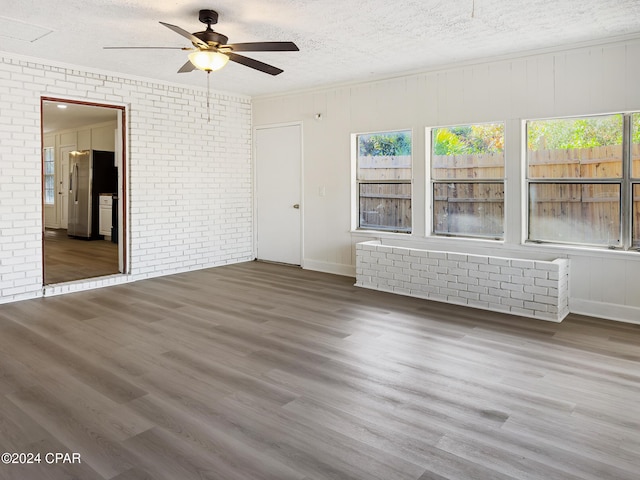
279 210
63 187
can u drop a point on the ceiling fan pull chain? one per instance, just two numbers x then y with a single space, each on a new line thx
208 97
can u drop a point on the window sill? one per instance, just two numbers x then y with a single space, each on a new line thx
529 250
381 234
588 251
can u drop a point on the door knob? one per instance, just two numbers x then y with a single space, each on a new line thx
297 205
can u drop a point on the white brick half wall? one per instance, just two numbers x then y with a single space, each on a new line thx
189 180
529 288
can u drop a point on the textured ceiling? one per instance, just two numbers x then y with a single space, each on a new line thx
339 40
74 116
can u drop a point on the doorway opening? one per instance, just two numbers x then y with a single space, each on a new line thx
83 190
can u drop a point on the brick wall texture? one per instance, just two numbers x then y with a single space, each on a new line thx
189 180
529 288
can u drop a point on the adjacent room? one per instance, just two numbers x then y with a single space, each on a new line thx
81 182
320 240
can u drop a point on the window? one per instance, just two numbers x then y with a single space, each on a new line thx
467 180
580 182
383 177
49 176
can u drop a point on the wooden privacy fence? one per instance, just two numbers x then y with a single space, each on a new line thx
582 213
385 206
575 212
467 167
468 208
381 167
595 162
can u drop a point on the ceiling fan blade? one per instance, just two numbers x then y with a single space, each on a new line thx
187 67
156 48
185 34
255 64
263 47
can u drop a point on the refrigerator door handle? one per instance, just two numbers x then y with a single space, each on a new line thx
75 173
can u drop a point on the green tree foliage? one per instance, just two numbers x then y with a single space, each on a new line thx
635 135
385 144
570 133
469 139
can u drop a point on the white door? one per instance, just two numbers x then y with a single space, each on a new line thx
278 193
63 187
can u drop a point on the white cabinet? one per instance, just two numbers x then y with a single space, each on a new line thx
105 215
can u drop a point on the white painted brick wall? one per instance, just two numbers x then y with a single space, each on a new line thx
190 195
527 288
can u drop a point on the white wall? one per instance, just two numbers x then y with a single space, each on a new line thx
585 80
190 197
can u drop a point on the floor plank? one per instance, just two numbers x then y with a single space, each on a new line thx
262 371
67 259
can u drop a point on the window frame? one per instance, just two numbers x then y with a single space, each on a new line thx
634 246
632 181
49 157
626 182
431 182
357 182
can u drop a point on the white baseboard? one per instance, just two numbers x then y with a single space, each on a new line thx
326 267
610 311
85 284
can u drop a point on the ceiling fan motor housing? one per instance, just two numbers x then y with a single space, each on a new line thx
212 38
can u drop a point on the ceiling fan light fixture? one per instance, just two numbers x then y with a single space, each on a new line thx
208 60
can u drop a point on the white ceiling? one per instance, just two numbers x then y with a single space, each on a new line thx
73 116
339 40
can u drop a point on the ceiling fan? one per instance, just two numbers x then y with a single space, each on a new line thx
211 51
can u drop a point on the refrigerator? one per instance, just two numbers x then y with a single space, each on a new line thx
91 172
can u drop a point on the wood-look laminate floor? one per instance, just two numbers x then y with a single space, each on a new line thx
68 259
260 371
